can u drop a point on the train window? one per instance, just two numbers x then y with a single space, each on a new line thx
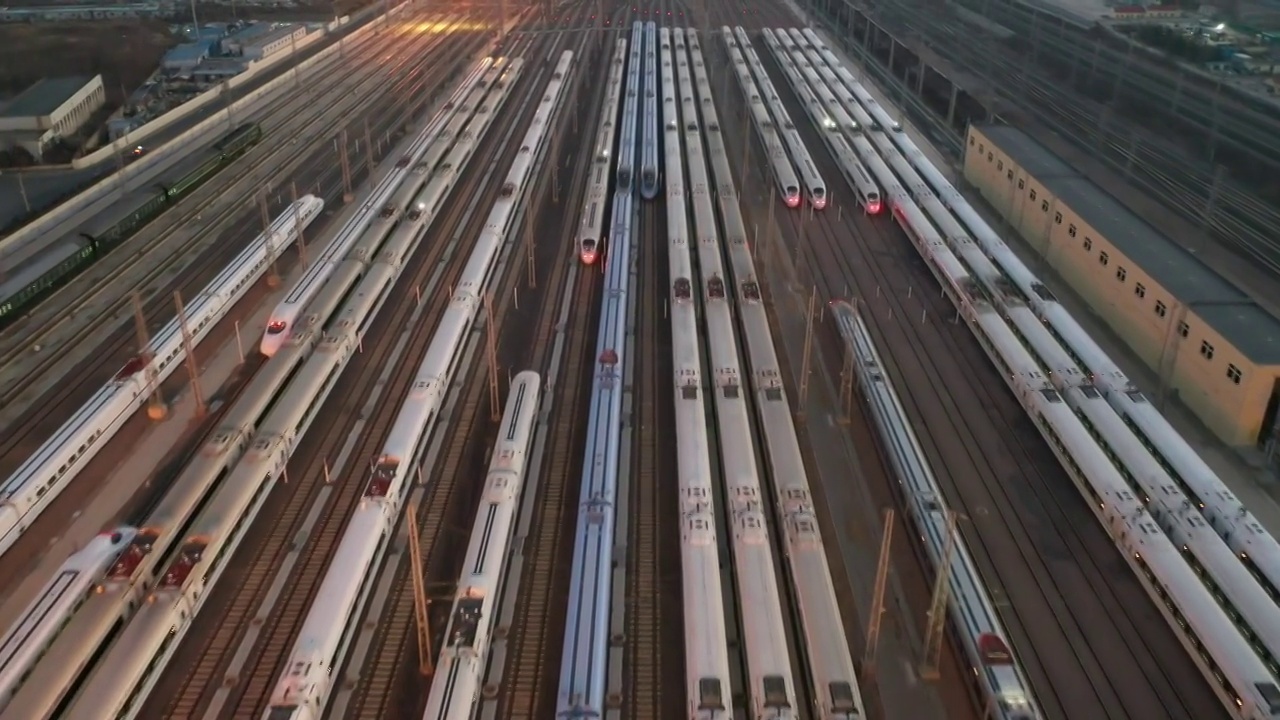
1140 290
1088 244
508 190
1121 273
1033 192
1184 329
1071 230
1206 349
1234 373
1103 258
1057 218
1161 308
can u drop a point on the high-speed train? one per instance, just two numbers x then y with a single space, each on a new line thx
832 681
51 468
27 639
771 685
126 582
1192 606
384 206
999 682
1256 547
591 226
465 653
815 187
122 679
649 137
784 175
583 664
707 684
831 122
304 690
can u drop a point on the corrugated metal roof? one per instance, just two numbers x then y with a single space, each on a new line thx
188 52
1228 310
44 97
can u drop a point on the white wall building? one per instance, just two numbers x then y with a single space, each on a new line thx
50 109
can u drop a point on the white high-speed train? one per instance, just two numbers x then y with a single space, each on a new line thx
649 130
303 692
1242 679
595 205
707 684
784 175
814 185
132 664
29 637
831 122
833 680
456 684
386 203
51 468
127 581
999 682
771 687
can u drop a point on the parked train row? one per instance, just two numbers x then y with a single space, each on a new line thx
590 228
583 669
227 480
832 680
770 682
44 475
1221 615
707 684
303 692
755 81
975 623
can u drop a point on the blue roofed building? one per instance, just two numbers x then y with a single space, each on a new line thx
183 59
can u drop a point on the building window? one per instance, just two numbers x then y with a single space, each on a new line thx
1104 258
1057 217
1161 310
1033 193
1010 175
1140 290
1234 374
1184 329
1206 349
990 157
971 141
1044 206
1071 230
1088 244
1022 183
999 164
982 148
1121 274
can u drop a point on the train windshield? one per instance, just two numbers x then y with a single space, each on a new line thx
275 327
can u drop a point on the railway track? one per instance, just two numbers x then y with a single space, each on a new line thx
186 253
446 509
533 642
308 517
1082 625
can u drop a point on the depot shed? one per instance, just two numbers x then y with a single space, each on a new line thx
1206 339
52 108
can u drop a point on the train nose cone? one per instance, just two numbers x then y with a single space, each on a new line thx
793 202
588 257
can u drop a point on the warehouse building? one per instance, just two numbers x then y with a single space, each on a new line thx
1206 339
263 40
52 108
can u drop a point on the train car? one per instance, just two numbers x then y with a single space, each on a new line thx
591 226
784 175
395 191
304 689
649 140
46 473
998 681
587 639
832 679
30 636
814 186
460 667
707 683
42 275
770 683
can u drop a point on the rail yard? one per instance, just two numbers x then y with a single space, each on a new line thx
577 361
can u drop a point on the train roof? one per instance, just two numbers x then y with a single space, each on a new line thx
1228 310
